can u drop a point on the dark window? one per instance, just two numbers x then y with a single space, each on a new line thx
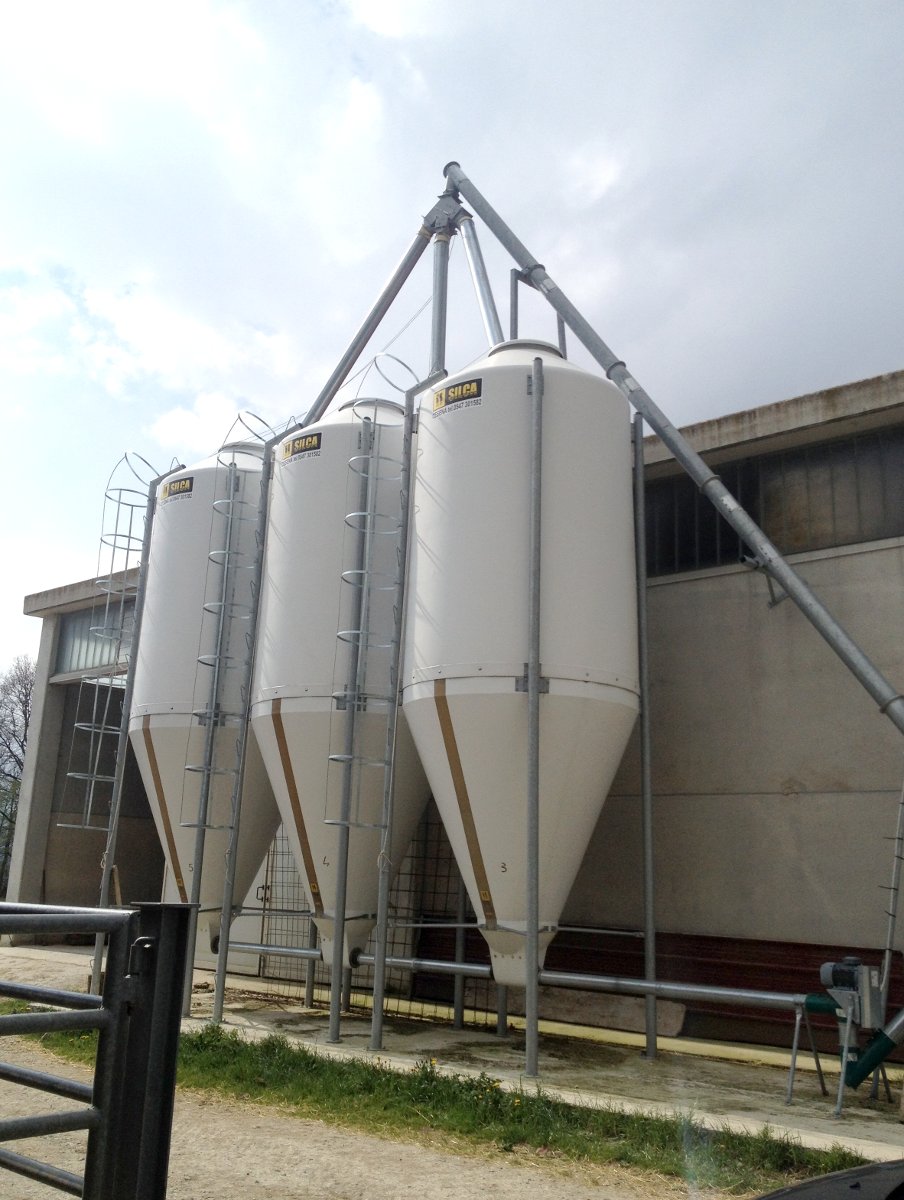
95 637
809 498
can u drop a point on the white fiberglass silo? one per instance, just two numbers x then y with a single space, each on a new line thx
467 640
326 589
195 622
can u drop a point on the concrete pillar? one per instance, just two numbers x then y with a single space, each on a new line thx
36 791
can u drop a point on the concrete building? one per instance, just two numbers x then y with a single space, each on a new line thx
66 784
776 780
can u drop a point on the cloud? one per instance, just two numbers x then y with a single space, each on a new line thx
32 318
161 338
588 173
347 152
81 65
420 20
199 429
396 18
130 338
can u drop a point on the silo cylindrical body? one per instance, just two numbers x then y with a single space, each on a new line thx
467 640
327 589
195 622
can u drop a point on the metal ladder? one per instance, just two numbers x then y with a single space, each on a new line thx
99 716
222 759
370 686
366 647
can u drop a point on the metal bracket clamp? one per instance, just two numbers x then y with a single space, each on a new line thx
139 955
542 683
445 215
756 564
526 274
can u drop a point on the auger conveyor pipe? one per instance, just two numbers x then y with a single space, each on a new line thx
889 700
883 1043
617 985
683 992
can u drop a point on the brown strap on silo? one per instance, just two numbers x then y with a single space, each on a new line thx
161 806
295 802
464 802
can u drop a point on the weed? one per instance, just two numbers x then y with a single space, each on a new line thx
367 1095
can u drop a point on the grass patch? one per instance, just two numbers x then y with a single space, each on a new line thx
365 1095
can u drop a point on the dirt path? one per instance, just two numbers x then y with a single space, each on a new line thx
222 1150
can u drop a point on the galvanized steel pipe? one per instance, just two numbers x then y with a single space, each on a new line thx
370 324
485 301
672 991
283 951
437 966
889 700
385 865
440 303
646 751
532 928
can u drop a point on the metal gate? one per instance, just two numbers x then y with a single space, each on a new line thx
128 1108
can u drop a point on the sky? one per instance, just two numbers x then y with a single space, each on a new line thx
201 200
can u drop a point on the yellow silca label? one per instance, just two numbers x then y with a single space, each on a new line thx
466 393
305 443
177 487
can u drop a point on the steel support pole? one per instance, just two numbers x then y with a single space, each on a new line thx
501 1010
219 990
369 325
889 700
385 865
209 749
440 302
894 891
384 861
122 744
485 301
311 969
845 1055
514 282
232 851
532 930
795 1045
458 995
352 697
646 759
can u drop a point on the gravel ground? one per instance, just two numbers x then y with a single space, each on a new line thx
223 1150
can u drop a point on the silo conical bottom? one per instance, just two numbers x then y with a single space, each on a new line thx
356 932
472 737
508 953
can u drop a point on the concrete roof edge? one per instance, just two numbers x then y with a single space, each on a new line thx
864 402
71 596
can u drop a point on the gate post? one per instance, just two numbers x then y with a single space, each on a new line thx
156 973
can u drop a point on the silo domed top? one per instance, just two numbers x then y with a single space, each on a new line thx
527 344
377 408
